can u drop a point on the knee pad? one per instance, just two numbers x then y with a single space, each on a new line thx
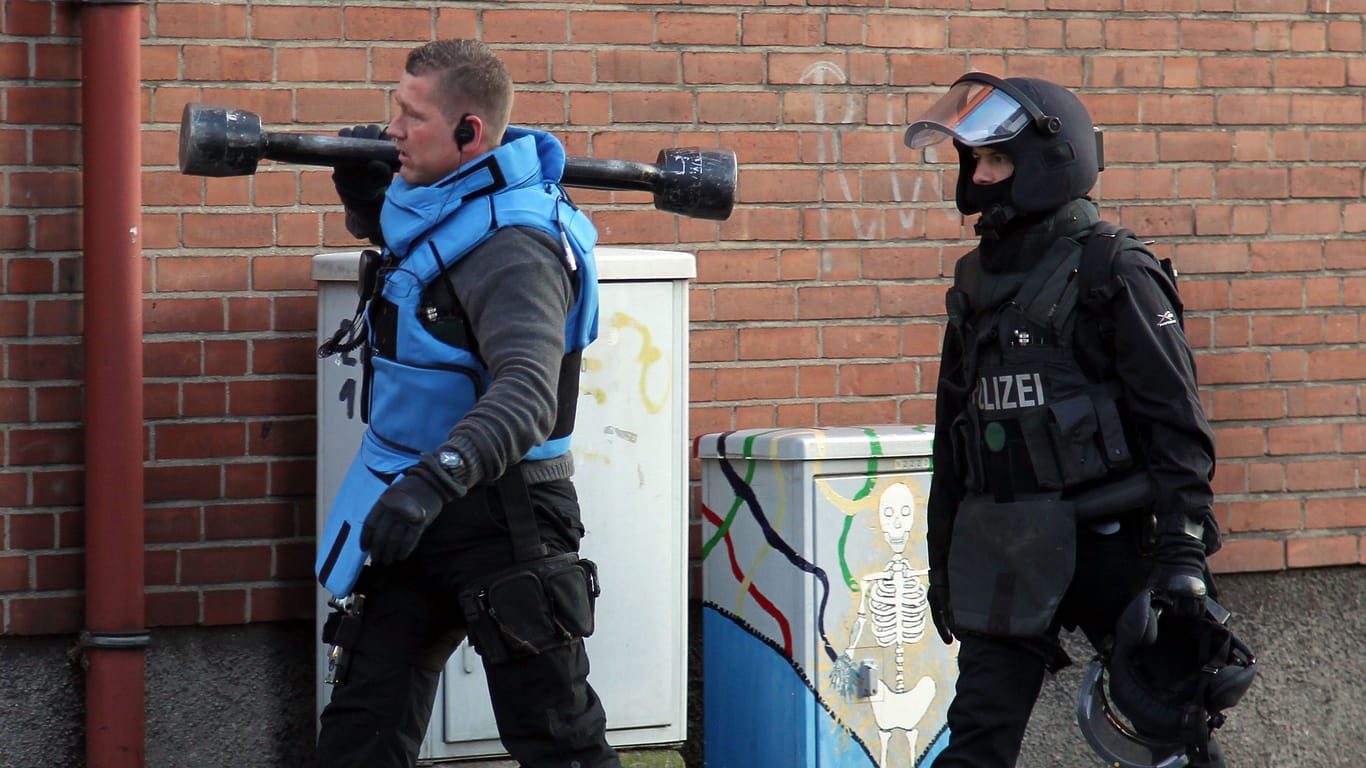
531 608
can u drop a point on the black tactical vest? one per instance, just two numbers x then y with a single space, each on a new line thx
1034 422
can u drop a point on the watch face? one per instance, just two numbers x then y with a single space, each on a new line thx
449 459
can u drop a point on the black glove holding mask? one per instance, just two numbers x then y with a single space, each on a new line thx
406 509
1179 576
361 186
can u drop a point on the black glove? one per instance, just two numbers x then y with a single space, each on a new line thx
361 186
406 508
1179 578
938 596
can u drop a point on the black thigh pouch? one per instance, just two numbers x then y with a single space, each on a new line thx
531 608
1010 564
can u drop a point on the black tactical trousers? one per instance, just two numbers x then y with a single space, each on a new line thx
548 715
999 678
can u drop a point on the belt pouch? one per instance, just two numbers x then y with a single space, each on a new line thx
1010 564
531 608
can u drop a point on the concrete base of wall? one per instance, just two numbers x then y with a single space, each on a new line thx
1305 708
243 696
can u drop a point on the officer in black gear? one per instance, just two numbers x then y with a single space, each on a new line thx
1073 459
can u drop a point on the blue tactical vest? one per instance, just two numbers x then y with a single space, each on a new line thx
419 386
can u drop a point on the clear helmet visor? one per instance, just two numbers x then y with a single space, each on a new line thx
973 112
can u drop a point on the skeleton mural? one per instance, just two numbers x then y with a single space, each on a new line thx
815 615
893 601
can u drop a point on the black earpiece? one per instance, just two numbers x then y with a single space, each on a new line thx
464 131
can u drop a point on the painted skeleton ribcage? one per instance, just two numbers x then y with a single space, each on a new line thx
898 607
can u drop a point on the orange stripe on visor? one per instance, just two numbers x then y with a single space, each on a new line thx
973 112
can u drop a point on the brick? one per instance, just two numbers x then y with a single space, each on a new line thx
867 379
172 608
284 603
748 383
58 402
850 412
224 565
526 26
196 20
318 64
159 63
30 447
816 381
47 615
726 69
14 573
293 478
225 606
776 343
30 530
167 525
910 300
42 105
44 362
1321 551
339 105
281 273
1279 514
198 441
228 63
58 571
172 315
246 481
757 303
180 483
1320 475
46 189
301 23
285 438
1244 555
1338 365
850 301
614 27
771 29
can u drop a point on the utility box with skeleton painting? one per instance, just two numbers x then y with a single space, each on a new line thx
818 647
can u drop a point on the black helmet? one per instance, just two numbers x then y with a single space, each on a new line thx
1170 680
1043 127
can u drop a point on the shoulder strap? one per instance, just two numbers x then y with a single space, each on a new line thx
1049 294
1097 266
1097 261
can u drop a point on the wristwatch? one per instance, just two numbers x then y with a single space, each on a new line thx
452 462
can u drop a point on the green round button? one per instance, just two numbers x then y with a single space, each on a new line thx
995 436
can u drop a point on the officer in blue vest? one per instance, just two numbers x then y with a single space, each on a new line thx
1073 458
458 516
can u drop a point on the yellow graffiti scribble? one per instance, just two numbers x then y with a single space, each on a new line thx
649 355
870 501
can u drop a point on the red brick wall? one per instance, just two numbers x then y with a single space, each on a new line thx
1234 138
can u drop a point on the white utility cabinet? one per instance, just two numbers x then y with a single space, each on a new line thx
630 450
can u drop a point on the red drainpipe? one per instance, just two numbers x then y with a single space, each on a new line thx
115 633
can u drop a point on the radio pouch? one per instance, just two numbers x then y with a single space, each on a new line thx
1010 564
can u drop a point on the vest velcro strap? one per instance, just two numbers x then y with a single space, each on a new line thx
1050 292
521 515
